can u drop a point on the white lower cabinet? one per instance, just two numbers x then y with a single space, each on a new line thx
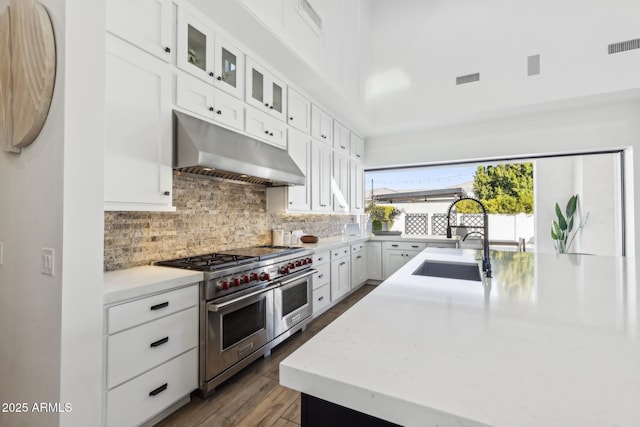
151 355
397 254
373 255
358 265
321 281
149 394
340 272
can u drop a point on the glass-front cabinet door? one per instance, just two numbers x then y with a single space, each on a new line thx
229 68
195 46
265 91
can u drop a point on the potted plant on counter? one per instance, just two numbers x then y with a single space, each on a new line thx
382 216
563 225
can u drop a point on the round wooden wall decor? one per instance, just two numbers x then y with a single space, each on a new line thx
27 72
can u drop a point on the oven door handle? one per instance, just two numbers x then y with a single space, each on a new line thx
305 274
217 307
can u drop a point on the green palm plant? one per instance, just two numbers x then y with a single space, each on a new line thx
563 225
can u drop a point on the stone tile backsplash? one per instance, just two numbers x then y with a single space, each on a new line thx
211 215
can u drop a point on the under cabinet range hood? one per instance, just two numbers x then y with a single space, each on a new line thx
206 149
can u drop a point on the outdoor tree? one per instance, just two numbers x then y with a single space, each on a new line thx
504 189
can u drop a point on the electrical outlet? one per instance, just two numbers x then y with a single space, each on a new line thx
48 258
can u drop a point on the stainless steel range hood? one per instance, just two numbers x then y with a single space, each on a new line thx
206 149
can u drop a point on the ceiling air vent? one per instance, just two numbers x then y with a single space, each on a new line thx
310 14
469 78
624 46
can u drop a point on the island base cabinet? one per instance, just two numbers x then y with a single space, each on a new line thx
140 399
320 413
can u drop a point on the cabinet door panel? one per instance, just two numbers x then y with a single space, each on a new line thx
356 186
266 128
228 110
299 111
229 68
340 183
195 46
138 129
299 148
341 137
144 23
195 95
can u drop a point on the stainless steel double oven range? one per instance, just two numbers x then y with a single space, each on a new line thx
251 300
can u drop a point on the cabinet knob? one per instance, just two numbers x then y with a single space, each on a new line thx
290 118
270 133
267 132
211 74
271 107
167 193
219 78
266 104
167 49
219 112
211 109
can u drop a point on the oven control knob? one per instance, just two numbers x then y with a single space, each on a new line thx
292 266
235 281
245 279
254 276
264 276
284 269
304 261
298 263
223 285
309 260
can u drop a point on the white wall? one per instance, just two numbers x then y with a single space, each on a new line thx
595 178
51 196
597 124
421 46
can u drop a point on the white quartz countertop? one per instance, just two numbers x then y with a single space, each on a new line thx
553 341
122 285
415 238
328 243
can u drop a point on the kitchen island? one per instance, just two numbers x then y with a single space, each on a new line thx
548 341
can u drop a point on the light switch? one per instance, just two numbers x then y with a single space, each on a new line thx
47 255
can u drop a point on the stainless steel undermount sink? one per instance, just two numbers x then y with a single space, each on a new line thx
450 270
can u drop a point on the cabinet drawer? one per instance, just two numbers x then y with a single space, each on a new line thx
134 313
405 246
340 252
321 297
323 276
321 258
145 396
357 247
136 350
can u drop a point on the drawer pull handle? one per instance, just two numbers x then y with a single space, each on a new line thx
415 246
359 256
159 342
395 246
320 299
159 306
159 390
320 259
320 276
245 348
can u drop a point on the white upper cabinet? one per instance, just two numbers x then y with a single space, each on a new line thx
357 147
299 115
138 145
356 186
321 156
340 182
195 46
341 137
265 91
299 148
267 128
205 100
229 67
144 23
321 125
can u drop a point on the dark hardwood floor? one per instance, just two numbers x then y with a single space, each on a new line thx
254 396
